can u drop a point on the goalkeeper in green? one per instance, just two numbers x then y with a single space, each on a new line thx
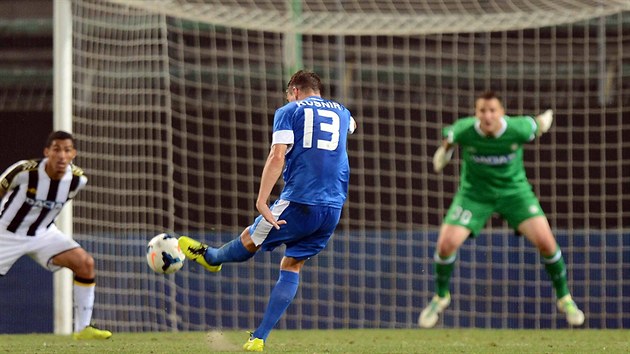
493 181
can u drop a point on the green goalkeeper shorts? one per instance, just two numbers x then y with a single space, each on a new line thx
473 213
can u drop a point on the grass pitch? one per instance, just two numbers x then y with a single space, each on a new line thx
337 341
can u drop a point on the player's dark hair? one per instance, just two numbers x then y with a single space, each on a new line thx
305 79
488 95
58 135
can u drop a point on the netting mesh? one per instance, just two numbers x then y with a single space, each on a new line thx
173 115
333 17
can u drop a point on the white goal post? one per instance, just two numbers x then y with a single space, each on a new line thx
173 103
62 120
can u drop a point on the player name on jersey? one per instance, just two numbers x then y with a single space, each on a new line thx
318 103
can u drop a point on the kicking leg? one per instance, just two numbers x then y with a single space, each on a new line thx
238 250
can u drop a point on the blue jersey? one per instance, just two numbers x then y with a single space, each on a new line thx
316 165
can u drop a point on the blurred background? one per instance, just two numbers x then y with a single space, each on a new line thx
172 107
26 119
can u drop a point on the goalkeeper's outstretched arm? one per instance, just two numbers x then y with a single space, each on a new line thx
544 121
442 155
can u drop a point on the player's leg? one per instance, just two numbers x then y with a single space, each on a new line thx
537 230
307 232
239 249
465 216
82 265
450 239
279 300
58 250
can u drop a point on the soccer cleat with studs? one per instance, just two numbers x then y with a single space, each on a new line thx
254 344
91 332
566 305
429 316
195 250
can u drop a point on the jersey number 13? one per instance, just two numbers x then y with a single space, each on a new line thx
332 127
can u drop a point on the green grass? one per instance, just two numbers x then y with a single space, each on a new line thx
337 341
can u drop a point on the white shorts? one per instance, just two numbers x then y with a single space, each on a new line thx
42 248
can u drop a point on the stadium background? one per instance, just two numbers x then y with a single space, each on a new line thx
577 170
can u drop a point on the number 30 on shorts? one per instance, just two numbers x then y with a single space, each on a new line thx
462 215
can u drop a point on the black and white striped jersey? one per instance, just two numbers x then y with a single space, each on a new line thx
32 200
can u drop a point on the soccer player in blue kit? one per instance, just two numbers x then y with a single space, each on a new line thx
309 143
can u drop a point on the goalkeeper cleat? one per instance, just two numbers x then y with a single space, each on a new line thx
575 316
254 344
91 332
195 250
429 316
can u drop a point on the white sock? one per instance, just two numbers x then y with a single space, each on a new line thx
83 290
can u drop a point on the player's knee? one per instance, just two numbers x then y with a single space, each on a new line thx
291 264
548 249
89 262
248 242
85 266
446 247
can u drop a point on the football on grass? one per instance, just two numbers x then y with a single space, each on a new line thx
164 255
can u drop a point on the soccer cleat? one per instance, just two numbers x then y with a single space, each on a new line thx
195 250
254 344
91 332
429 316
575 316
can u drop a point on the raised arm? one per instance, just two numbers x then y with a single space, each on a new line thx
544 121
442 155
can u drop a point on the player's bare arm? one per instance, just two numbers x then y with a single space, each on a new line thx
271 173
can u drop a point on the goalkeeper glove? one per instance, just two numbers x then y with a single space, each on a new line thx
353 125
441 157
544 121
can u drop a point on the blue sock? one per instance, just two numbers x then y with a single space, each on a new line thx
280 298
233 251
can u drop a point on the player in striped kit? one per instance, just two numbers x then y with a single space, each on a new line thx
309 144
33 192
493 181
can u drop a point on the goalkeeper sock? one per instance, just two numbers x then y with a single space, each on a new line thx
443 268
557 270
233 251
281 296
83 292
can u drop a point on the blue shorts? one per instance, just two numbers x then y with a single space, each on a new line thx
306 233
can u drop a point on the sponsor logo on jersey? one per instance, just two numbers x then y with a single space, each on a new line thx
493 160
32 191
47 204
533 209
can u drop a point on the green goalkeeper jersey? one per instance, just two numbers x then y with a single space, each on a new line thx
492 166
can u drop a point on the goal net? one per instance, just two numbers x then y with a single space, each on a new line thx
173 105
